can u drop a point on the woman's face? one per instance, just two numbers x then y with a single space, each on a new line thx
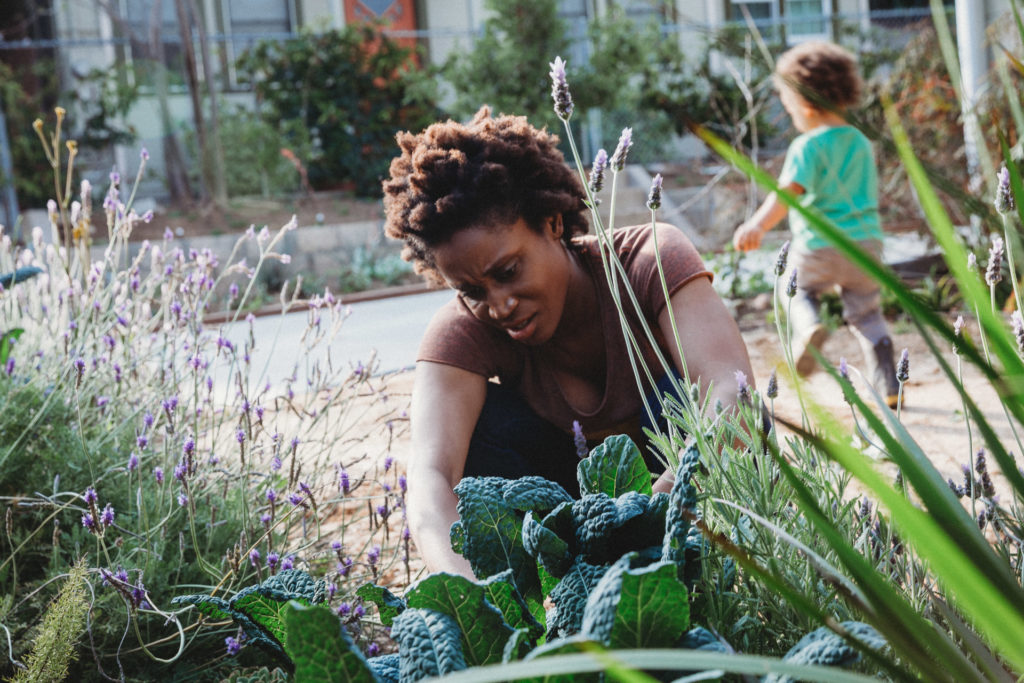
511 277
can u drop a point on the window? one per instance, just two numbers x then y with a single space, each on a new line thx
802 19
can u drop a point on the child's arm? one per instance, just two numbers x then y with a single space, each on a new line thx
748 236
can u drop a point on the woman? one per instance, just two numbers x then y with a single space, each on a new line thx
491 209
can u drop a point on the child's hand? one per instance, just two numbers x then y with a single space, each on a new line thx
748 236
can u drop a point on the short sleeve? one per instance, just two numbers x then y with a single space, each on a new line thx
799 164
455 337
680 261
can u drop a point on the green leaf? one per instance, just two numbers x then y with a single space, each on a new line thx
429 644
320 648
824 646
501 593
637 607
534 493
6 338
570 598
208 605
265 611
491 533
482 629
564 646
388 604
613 468
546 540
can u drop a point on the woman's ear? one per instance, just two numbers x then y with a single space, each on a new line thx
555 225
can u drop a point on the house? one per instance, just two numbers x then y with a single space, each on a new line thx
85 34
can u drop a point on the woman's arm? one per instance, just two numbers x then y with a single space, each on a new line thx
446 403
711 344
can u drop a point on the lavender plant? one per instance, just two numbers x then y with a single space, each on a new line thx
137 436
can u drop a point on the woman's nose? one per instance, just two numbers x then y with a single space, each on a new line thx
502 305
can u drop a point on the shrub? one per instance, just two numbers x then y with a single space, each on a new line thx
350 91
138 437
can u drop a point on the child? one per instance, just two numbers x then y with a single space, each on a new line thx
831 167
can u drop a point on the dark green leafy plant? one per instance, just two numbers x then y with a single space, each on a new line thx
350 91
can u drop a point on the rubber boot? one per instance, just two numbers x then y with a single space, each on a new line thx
811 338
883 375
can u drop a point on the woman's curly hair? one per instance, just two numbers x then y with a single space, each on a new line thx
823 73
490 171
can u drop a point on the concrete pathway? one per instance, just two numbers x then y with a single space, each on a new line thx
390 328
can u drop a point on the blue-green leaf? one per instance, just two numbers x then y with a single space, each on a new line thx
429 644
388 604
320 648
613 468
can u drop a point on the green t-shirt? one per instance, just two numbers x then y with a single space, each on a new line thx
836 168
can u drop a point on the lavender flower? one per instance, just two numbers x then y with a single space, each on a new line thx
90 496
654 196
579 440
107 516
597 171
343 482
782 258
773 386
275 464
403 483
272 560
372 650
288 563
295 499
158 473
622 149
254 557
560 90
1004 202
344 609
388 461
88 521
271 495
233 646
903 367
791 285
994 272
182 499
972 261
9 367
958 332
142 441
742 387
844 368
265 519
133 462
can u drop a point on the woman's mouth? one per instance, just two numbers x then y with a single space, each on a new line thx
522 330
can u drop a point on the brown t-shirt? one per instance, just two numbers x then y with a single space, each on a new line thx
456 337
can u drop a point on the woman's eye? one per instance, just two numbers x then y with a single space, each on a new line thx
472 296
506 274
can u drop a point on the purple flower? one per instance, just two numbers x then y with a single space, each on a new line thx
295 499
344 609
579 440
403 483
336 546
179 471
844 369
373 556
240 435
90 496
107 516
359 611
182 499
994 272
265 519
88 521
344 566
9 367
189 447
275 464
271 495
233 291
148 419
654 196
388 462
782 258
791 285
133 462
254 557
1005 202
272 560
560 90
742 387
287 563
372 650
622 149
903 367
158 472
596 182
773 386
142 441
343 482
234 647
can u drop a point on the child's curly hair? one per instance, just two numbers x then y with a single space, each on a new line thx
823 73
490 171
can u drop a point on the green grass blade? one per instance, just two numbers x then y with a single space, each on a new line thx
996 618
917 641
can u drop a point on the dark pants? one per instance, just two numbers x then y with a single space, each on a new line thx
512 441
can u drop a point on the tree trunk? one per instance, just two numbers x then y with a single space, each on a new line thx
192 78
213 155
174 161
